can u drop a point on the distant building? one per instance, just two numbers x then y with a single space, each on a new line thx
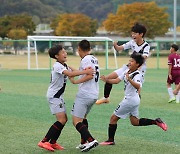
43 29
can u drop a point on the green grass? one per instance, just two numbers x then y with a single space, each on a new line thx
25 116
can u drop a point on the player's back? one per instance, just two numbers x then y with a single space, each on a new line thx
174 60
89 88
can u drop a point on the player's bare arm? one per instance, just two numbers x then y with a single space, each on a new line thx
117 47
169 72
112 81
81 80
88 71
134 84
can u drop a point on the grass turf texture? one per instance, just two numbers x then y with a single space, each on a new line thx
25 116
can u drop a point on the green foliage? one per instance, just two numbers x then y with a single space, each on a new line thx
149 14
74 25
45 10
20 22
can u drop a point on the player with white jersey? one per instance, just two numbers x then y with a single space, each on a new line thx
137 45
55 92
86 97
130 103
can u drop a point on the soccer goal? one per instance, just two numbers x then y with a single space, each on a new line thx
100 45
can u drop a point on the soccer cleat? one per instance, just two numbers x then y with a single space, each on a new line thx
177 102
81 146
161 124
107 143
45 145
57 146
172 100
90 145
102 100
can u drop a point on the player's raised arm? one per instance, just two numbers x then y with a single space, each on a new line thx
117 47
112 81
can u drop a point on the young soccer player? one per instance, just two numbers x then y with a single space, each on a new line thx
130 104
87 95
137 45
173 73
55 92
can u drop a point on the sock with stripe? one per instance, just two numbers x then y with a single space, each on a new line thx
107 89
146 122
111 132
82 129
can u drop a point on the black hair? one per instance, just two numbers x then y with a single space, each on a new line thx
85 45
175 47
138 58
139 28
55 50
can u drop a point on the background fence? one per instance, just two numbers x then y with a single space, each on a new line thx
13 53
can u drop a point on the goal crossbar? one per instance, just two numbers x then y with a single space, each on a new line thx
50 39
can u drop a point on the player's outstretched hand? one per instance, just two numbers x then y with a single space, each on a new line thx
103 78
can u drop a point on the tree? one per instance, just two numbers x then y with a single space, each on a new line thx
17 34
74 25
149 14
22 21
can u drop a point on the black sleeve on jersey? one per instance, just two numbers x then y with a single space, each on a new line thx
142 50
133 75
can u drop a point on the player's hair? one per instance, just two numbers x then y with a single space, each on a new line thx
85 45
55 50
139 28
175 47
138 58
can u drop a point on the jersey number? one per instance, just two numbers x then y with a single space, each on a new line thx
97 74
176 62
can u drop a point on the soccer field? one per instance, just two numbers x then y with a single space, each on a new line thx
25 116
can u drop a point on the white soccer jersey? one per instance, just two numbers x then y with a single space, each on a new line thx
129 90
142 49
89 88
58 81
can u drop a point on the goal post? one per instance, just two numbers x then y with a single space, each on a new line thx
32 46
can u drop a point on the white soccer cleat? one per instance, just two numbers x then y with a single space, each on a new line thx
81 146
172 100
90 145
103 100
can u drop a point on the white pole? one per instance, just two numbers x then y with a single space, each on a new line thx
28 54
35 46
175 20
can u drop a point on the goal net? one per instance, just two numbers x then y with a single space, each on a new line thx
39 45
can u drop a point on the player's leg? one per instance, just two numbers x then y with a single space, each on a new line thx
177 82
54 133
108 86
111 130
83 141
107 89
170 90
146 122
61 121
57 108
80 109
85 134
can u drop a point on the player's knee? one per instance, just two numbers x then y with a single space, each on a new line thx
135 122
114 119
63 121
